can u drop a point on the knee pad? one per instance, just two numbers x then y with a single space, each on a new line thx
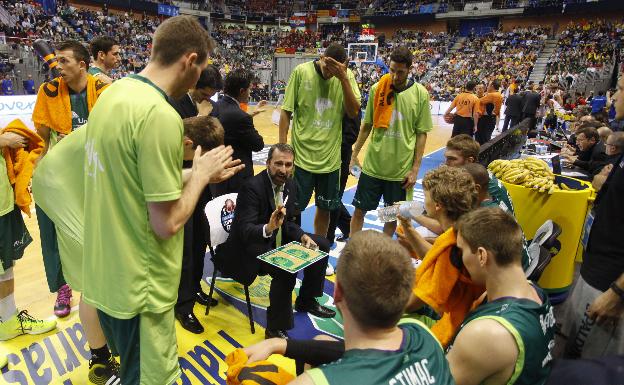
7 275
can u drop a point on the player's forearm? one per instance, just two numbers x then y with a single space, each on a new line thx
429 223
419 150
167 218
351 104
365 131
284 125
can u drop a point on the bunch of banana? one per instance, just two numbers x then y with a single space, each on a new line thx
528 172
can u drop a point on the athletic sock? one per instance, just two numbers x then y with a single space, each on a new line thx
101 355
7 307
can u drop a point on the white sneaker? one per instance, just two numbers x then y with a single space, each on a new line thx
330 270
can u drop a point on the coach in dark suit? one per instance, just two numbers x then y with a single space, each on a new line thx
208 84
260 222
530 103
240 132
513 109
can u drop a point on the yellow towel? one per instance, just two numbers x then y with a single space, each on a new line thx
53 108
382 109
20 163
449 291
257 373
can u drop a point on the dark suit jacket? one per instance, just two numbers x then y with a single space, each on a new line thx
187 109
531 102
597 159
241 134
236 258
514 105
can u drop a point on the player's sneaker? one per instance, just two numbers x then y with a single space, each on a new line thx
23 323
104 374
62 306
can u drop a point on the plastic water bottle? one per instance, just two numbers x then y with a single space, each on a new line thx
410 209
356 171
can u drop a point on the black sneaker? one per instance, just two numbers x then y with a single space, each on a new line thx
104 374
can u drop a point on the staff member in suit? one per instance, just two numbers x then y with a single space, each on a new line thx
531 101
240 132
209 83
513 109
264 218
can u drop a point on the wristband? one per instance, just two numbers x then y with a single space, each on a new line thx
618 290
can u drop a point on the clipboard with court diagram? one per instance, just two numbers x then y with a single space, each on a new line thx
292 257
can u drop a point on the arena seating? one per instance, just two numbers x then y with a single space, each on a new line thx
502 55
584 47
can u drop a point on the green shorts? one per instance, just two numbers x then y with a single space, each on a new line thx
370 190
146 345
50 251
326 186
14 239
70 251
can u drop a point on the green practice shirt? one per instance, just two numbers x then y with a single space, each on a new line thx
58 184
533 328
390 153
133 156
318 107
7 197
419 360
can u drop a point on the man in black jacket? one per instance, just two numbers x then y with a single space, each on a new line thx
588 142
204 131
513 109
266 217
530 103
240 132
341 218
208 84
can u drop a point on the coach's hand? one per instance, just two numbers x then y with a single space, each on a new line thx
308 243
277 218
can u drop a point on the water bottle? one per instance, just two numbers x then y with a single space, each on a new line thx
356 171
409 209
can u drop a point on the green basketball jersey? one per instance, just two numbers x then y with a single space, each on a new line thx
419 361
533 327
95 71
499 194
500 198
79 110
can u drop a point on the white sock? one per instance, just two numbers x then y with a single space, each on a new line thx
7 307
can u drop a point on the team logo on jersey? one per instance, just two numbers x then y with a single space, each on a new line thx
396 116
322 105
227 214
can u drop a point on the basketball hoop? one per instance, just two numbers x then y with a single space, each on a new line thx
358 63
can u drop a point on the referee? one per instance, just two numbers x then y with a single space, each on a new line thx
466 106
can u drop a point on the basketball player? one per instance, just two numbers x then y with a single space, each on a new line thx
319 93
395 152
106 58
136 202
